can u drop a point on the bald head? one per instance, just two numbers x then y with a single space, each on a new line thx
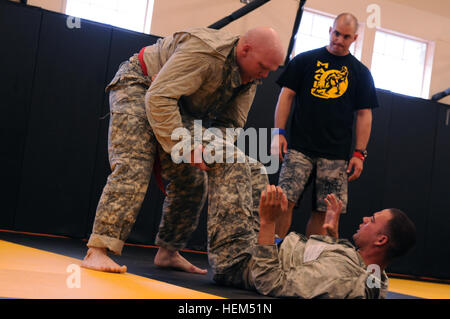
347 19
266 40
259 51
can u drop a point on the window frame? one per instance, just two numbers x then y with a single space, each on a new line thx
428 59
147 18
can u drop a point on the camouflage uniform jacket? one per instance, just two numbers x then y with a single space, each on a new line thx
197 68
321 267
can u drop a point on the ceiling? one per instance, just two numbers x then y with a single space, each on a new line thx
440 7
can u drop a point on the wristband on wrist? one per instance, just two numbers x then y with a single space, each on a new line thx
359 155
279 131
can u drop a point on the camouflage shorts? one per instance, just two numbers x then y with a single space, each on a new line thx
328 176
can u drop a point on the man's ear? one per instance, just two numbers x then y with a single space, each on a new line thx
245 50
382 240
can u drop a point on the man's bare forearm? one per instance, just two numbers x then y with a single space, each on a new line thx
266 234
363 128
283 108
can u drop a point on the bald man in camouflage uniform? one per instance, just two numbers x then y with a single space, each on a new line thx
201 74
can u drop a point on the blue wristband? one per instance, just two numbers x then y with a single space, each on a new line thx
281 131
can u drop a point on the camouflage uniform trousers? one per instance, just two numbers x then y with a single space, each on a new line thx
233 220
330 177
132 149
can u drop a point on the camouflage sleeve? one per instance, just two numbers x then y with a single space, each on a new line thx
318 279
235 116
181 75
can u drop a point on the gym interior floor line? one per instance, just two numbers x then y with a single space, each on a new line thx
37 266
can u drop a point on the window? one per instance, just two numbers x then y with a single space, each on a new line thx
314 33
399 64
133 15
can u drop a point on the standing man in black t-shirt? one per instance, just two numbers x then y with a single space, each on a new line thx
328 86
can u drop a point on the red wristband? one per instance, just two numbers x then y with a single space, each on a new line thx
358 155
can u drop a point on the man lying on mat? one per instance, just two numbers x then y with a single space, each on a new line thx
249 255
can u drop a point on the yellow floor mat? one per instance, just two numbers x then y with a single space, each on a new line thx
36 274
420 289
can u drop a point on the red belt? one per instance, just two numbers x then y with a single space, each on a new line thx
141 60
157 163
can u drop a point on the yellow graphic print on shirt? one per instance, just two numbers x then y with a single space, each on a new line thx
329 84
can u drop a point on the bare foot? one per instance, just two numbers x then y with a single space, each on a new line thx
172 259
97 259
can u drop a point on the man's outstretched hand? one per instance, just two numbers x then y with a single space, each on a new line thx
334 209
273 202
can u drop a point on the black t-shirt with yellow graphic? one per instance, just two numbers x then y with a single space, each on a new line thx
329 89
